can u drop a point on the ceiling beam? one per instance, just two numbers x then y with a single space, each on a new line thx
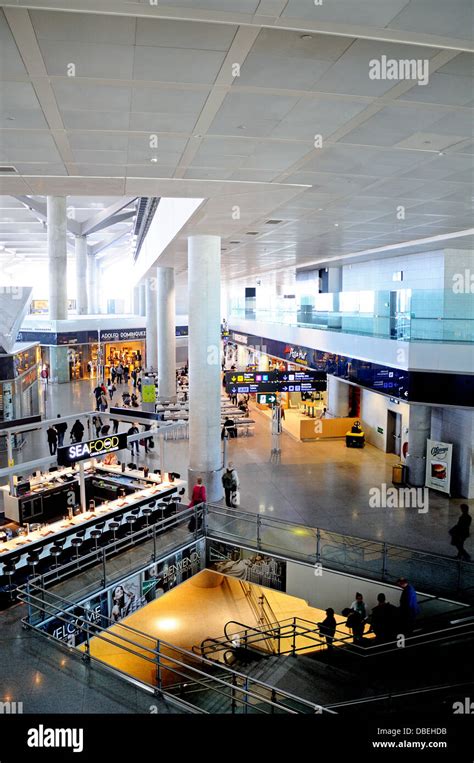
103 245
96 222
40 212
112 221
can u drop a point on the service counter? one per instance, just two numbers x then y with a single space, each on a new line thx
325 428
141 493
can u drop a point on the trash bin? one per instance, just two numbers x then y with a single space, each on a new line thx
399 474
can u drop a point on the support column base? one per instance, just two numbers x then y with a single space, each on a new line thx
416 470
212 481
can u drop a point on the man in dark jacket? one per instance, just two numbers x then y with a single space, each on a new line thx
52 436
60 428
77 432
383 619
355 623
460 532
230 483
328 628
134 446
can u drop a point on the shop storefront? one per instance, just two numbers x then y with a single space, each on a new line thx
19 385
125 346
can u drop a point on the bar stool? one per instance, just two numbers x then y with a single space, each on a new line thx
100 526
96 535
32 561
76 543
131 521
55 552
9 569
114 526
147 512
81 534
135 512
59 542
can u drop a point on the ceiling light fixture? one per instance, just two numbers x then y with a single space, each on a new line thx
154 159
306 36
242 127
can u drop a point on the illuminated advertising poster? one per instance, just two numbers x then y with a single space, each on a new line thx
163 576
148 392
251 566
70 627
438 465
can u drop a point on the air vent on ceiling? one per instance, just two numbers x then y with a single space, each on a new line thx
234 242
252 233
273 222
8 169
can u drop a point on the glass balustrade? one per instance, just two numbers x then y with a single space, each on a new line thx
412 315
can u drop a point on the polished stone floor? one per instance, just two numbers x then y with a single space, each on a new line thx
321 484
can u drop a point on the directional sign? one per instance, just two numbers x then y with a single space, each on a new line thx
252 382
267 399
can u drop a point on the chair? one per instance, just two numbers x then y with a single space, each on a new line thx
32 561
114 526
146 513
9 569
81 534
131 521
100 526
59 543
136 512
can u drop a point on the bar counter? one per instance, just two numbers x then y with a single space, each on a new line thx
45 537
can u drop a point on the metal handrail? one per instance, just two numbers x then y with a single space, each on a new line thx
96 631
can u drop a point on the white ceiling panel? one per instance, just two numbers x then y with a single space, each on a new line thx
80 27
184 34
102 60
177 65
373 12
436 17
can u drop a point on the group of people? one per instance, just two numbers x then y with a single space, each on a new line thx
386 621
56 432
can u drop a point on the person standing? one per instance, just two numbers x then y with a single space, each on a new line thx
113 374
198 496
115 426
119 372
134 377
103 404
328 628
52 436
60 428
125 373
134 445
460 532
97 424
230 482
358 605
355 623
409 608
111 388
77 431
383 620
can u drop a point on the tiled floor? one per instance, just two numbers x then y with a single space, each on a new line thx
320 484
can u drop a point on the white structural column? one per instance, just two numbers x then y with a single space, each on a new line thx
136 300
142 298
418 432
204 262
57 257
338 397
166 298
91 285
151 321
81 274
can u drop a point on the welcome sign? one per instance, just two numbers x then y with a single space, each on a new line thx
80 451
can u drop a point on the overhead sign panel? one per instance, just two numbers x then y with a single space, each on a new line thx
253 382
80 451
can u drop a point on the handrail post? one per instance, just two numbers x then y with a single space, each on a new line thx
104 568
458 588
293 648
158 665
278 639
205 511
87 654
153 556
246 688
384 561
259 539
273 699
232 695
318 544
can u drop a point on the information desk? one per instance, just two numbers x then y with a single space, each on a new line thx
43 538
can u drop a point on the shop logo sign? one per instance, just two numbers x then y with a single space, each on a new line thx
295 353
439 451
91 449
49 737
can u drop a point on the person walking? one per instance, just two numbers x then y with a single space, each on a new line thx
97 394
134 445
134 378
52 436
328 628
460 532
119 372
115 426
113 374
103 404
111 388
60 428
230 482
77 431
409 608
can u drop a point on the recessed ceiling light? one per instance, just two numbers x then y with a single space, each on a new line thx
11 119
440 153
242 127
320 209
154 159
336 225
306 36
197 136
